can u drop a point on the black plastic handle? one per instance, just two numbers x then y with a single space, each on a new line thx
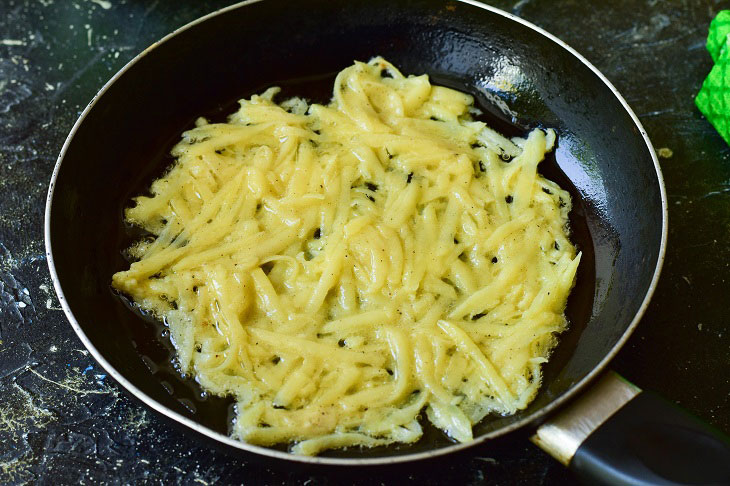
650 441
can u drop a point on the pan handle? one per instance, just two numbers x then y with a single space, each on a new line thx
616 434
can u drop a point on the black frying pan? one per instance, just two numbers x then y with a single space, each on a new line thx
522 78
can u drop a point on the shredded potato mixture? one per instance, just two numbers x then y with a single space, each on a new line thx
342 269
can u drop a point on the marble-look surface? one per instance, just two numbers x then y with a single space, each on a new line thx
63 421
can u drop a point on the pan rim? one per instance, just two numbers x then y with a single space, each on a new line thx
385 460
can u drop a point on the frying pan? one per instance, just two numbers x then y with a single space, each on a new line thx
521 77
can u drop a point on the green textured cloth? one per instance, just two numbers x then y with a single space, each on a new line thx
713 100
717 38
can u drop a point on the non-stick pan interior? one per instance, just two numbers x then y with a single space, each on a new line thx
520 77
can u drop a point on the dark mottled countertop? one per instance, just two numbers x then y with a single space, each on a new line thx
63 421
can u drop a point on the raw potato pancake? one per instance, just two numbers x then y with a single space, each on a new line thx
346 270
